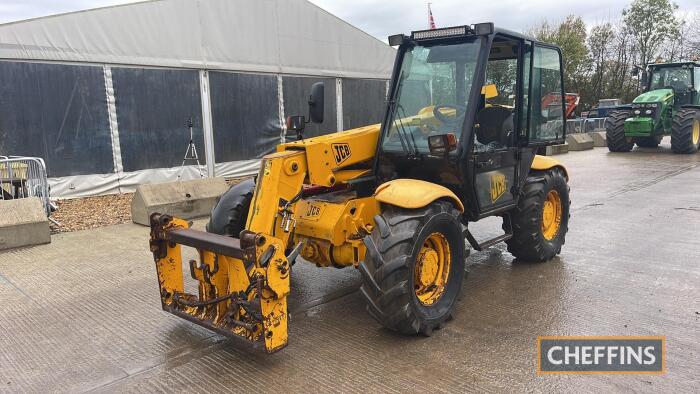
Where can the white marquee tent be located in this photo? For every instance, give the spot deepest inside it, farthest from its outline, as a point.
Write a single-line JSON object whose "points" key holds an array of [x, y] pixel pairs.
{"points": [[103, 95]]}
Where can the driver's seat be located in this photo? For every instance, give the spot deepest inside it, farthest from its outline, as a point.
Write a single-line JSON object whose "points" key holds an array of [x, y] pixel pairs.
{"points": [[495, 124]]}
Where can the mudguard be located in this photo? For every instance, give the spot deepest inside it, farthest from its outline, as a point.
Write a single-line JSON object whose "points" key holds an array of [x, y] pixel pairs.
{"points": [[414, 193], [543, 163]]}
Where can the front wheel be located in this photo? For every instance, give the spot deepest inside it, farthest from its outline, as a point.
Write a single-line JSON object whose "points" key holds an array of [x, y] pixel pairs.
{"points": [[685, 131], [414, 267], [229, 214], [615, 132], [541, 218]]}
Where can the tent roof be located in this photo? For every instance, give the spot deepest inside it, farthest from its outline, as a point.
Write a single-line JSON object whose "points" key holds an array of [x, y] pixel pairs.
{"points": [[279, 36]]}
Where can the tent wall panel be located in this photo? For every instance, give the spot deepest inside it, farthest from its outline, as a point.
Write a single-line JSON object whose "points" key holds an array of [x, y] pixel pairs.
{"points": [[245, 112], [296, 96], [364, 102], [153, 106], [57, 112]]}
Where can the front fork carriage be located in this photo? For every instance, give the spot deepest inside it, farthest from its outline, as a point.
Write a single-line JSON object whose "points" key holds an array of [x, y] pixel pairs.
{"points": [[243, 283]]}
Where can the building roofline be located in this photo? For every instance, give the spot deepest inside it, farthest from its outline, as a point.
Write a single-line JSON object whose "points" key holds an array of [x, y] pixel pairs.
{"points": [[153, 1], [77, 12]]}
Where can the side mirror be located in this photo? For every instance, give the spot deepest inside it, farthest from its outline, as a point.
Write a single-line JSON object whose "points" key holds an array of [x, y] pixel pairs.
{"points": [[316, 103], [645, 79], [634, 72]]}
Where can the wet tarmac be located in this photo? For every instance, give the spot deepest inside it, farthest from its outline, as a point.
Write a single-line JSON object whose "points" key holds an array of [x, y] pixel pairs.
{"points": [[82, 314]]}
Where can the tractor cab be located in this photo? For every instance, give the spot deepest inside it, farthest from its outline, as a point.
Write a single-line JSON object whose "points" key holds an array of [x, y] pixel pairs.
{"points": [[683, 79], [468, 107]]}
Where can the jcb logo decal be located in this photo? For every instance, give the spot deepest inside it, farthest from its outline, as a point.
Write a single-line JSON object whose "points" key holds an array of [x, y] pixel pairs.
{"points": [[498, 186], [341, 152], [312, 211]]}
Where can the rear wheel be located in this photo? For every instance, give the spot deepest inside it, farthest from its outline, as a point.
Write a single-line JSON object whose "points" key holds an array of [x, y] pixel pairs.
{"points": [[541, 218], [615, 132], [414, 267], [685, 131], [647, 142]]}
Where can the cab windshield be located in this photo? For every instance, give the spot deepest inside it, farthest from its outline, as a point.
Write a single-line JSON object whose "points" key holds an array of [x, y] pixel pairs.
{"points": [[678, 78], [432, 95]]}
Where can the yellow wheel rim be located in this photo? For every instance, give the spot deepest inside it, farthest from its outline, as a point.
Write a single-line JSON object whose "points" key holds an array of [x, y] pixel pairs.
{"points": [[696, 132], [551, 215], [432, 269]]}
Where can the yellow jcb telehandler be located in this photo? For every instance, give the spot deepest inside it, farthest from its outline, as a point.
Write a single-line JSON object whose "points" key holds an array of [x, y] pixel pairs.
{"points": [[457, 144]]}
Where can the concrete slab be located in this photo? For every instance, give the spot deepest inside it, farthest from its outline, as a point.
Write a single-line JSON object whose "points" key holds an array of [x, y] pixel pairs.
{"points": [[552, 150], [23, 222], [579, 141], [83, 313], [599, 139], [185, 199]]}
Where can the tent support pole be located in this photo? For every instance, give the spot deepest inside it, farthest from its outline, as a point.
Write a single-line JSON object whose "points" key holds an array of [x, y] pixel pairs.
{"points": [[339, 103], [207, 125]]}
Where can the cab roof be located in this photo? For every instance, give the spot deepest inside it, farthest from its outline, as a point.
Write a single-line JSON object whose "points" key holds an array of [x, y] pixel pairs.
{"points": [[461, 31], [675, 64], [515, 34]]}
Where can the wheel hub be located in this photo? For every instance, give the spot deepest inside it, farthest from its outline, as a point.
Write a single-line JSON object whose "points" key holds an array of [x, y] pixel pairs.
{"points": [[428, 266], [551, 215], [432, 269], [696, 131]]}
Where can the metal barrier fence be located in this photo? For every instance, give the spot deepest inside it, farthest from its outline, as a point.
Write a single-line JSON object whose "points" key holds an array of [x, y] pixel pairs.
{"points": [[584, 125], [22, 177]]}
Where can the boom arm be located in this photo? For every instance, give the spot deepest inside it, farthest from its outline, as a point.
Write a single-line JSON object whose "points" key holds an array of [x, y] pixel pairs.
{"points": [[244, 283]]}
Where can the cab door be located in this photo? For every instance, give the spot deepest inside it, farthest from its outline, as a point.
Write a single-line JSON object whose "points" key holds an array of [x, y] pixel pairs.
{"points": [[546, 115], [497, 128]]}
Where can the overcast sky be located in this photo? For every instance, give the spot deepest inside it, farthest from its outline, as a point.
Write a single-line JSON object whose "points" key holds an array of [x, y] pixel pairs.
{"points": [[384, 17]]}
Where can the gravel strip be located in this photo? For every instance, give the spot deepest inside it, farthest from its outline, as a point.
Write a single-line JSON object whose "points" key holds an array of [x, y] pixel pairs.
{"points": [[90, 212]]}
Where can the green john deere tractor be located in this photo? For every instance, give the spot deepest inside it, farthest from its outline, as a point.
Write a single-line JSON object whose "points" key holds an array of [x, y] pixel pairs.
{"points": [[670, 105]]}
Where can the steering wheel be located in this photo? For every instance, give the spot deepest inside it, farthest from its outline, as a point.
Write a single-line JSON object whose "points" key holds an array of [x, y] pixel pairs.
{"points": [[459, 109]]}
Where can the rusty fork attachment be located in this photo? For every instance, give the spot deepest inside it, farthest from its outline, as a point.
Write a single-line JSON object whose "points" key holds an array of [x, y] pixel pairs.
{"points": [[242, 283]]}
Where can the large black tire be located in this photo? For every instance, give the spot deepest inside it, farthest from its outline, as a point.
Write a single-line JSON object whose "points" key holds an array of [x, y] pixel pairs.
{"points": [[529, 243], [615, 132], [229, 215], [683, 139], [389, 267], [648, 142]]}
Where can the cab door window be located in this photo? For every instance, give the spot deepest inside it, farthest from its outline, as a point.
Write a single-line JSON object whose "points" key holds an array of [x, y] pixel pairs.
{"points": [[547, 110], [495, 121]]}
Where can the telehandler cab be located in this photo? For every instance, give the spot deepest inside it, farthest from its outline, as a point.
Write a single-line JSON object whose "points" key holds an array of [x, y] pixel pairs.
{"points": [[393, 200]]}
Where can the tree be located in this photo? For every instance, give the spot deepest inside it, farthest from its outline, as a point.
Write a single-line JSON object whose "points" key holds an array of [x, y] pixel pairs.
{"points": [[599, 44], [651, 23], [570, 36], [623, 52], [686, 46]]}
